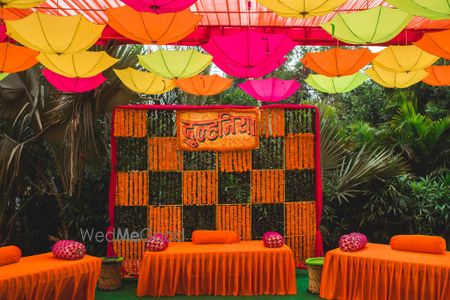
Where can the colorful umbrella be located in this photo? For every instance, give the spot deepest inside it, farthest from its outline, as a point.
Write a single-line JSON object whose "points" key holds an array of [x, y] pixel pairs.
{"points": [[301, 9], [431, 9], [175, 64], [3, 76], [144, 82], [159, 6], [436, 43], [149, 28], [375, 25], [404, 59], [249, 50], [338, 61], [204, 85], [73, 85], [79, 65], [16, 58], [54, 34], [22, 4], [270, 89], [395, 79], [438, 76], [334, 85]]}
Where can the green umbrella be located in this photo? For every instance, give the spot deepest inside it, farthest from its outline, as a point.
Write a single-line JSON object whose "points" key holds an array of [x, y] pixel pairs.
{"points": [[334, 85], [372, 26], [431, 9]]}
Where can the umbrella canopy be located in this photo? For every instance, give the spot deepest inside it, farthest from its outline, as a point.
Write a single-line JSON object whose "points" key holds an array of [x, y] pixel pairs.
{"points": [[3, 76], [301, 9], [334, 85], [338, 61], [375, 25], [149, 28], [431, 9], [249, 71], [204, 85], [175, 64], [395, 79], [249, 49], [23, 4], [436, 43], [144, 82], [159, 6], [54, 34], [79, 65], [73, 85], [404, 59], [16, 58], [438, 76], [270, 89]]}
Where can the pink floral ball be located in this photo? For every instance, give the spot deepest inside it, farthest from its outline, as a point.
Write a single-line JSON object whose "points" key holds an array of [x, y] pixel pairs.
{"points": [[67, 249], [352, 242], [157, 242], [273, 239]]}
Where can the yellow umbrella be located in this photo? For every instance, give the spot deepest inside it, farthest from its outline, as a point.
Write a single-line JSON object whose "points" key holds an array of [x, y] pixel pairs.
{"points": [[54, 34], [22, 4], [80, 65], [431, 9], [175, 64], [404, 59], [301, 9], [371, 26], [338, 84], [395, 79], [144, 82]]}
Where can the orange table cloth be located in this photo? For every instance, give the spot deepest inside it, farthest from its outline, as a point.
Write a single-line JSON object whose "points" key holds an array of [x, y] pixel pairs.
{"points": [[42, 277], [246, 268], [378, 273]]}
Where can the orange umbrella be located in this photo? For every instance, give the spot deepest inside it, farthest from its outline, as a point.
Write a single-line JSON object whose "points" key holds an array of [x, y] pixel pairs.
{"points": [[203, 85], [338, 61], [436, 43], [438, 76], [16, 58], [149, 28]]}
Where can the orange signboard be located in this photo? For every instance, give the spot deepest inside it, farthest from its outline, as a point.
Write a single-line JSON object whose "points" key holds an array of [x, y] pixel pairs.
{"points": [[218, 129]]}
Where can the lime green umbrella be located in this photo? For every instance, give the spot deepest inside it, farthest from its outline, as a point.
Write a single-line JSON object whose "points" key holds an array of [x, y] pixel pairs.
{"points": [[431, 9], [3, 76], [395, 79], [175, 64], [372, 26], [334, 85]]}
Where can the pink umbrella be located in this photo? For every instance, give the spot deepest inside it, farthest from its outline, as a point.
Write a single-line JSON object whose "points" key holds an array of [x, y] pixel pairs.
{"points": [[249, 50], [270, 89], [3, 34], [159, 6], [73, 85]]}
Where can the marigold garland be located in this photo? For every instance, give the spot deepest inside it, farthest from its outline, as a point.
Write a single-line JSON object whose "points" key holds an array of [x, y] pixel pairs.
{"points": [[163, 154], [272, 123], [165, 219], [130, 123], [199, 187], [132, 251], [132, 188], [236, 161], [236, 218], [267, 186], [300, 151]]}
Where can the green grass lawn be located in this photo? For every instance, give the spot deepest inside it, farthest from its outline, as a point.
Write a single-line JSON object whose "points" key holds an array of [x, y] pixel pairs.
{"points": [[128, 291]]}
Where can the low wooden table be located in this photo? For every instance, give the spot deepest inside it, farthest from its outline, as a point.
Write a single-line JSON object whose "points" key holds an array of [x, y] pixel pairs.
{"points": [[246, 268], [380, 273], [42, 277]]}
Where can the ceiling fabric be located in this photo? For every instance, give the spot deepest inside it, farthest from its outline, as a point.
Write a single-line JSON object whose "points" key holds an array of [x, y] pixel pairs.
{"points": [[230, 16]]}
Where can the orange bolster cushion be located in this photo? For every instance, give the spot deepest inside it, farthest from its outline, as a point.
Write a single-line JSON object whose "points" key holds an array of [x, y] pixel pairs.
{"points": [[419, 243], [9, 255], [215, 237]]}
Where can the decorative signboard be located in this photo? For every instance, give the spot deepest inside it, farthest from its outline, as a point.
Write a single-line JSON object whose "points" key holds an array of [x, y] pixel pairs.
{"points": [[176, 169]]}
